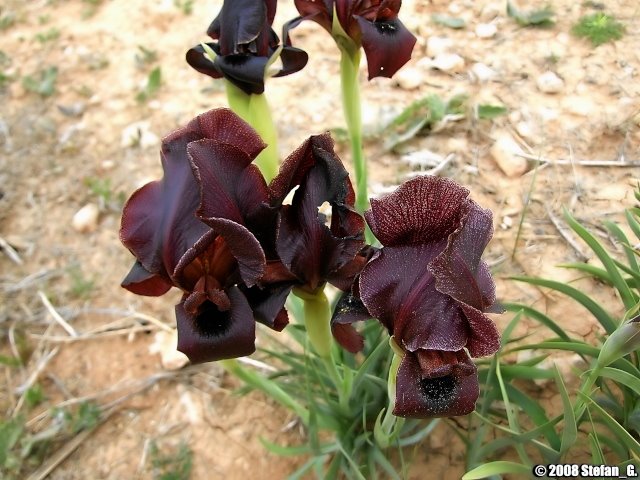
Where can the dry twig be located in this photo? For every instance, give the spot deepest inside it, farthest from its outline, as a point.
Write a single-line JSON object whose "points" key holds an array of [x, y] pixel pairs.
{"points": [[55, 315], [565, 232]]}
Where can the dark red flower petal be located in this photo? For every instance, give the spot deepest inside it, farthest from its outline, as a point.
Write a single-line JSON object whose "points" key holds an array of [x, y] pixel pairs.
{"points": [[397, 288], [293, 60], [196, 58], [387, 44], [348, 310], [211, 334], [142, 282], [459, 270], [312, 251], [320, 12], [422, 210], [440, 385], [268, 304]]}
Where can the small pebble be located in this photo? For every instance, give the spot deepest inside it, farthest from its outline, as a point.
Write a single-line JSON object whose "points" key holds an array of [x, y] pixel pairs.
{"points": [[409, 78], [438, 45], [86, 219], [549, 82], [486, 30], [448, 62], [504, 152], [481, 73]]}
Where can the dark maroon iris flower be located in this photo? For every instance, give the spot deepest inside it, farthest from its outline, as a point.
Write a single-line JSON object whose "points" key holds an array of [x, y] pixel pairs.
{"points": [[430, 288], [372, 24], [213, 228], [245, 46], [193, 230]]}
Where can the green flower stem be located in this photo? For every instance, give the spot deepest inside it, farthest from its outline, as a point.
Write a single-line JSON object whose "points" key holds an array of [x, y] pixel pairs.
{"points": [[349, 67], [254, 109], [317, 319], [267, 386]]}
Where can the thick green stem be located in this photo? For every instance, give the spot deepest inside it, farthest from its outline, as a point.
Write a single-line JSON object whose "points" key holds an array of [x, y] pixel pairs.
{"points": [[267, 386], [349, 67], [254, 109], [317, 319]]}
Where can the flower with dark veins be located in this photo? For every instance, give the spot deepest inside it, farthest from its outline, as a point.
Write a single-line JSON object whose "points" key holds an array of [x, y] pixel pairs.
{"points": [[246, 46], [193, 230], [429, 287], [372, 24], [312, 248]]}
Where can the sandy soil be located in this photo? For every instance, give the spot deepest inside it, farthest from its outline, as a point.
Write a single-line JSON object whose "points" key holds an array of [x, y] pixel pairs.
{"points": [[71, 149]]}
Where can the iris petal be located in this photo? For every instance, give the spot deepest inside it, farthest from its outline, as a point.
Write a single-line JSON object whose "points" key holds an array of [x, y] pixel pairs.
{"points": [[441, 391], [387, 44], [212, 334], [142, 282], [420, 211], [397, 288]]}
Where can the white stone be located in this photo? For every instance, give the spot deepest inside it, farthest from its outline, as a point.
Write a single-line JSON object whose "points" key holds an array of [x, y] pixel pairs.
{"points": [[525, 130], [438, 45], [448, 62], [579, 105], [165, 344], [481, 73], [549, 82], [85, 220], [504, 151], [139, 134], [486, 30], [409, 78]]}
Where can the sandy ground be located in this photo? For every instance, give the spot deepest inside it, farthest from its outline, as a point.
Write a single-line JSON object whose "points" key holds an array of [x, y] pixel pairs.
{"points": [[73, 148]]}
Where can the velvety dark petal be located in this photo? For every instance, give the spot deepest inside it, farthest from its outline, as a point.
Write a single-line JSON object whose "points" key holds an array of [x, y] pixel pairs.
{"points": [[387, 44], [197, 60], [212, 334], [268, 304], [484, 338], [397, 288], [421, 394], [320, 12], [306, 246], [293, 60], [422, 210], [348, 310], [219, 169], [158, 221], [142, 282], [458, 269], [231, 187], [239, 24], [244, 71]]}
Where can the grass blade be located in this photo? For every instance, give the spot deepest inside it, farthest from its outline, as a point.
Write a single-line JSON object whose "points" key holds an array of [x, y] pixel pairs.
{"points": [[497, 468], [594, 307], [628, 298]]}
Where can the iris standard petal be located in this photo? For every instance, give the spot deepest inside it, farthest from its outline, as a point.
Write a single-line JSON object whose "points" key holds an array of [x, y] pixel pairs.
{"points": [[440, 390], [307, 247], [458, 269], [211, 334], [397, 288], [420, 211]]}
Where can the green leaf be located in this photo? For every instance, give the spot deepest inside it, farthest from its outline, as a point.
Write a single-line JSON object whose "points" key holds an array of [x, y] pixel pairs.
{"points": [[618, 430], [535, 411], [488, 112], [497, 468], [539, 316], [594, 307], [451, 22], [623, 378], [535, 18], [628, 298], [633, 223], [570, 427], [620, 236], [622, 342], [10, 432]]}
